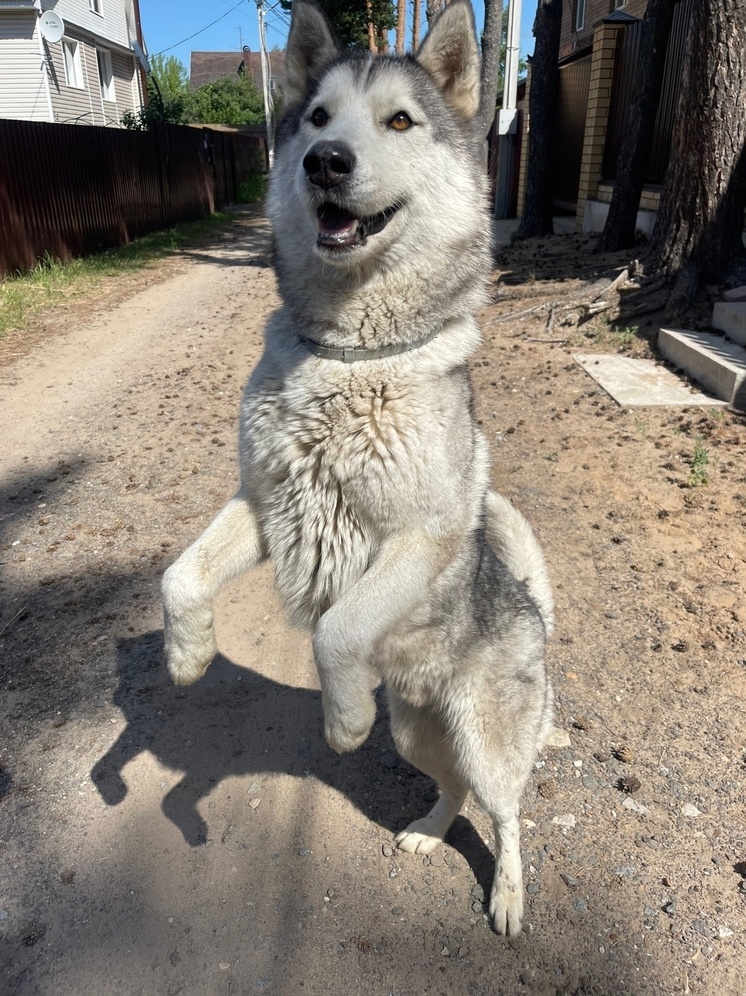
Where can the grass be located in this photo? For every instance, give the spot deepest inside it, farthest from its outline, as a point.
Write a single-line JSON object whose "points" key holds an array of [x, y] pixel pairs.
{"points": [[698, 473], [51, 281], [627, 336], [253, 189]]}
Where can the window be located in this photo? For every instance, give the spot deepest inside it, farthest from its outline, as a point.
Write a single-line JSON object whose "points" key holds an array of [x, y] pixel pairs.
{"points": [[95, 6], [73, 67], [619, 3], [579, 15], [105, 75]]}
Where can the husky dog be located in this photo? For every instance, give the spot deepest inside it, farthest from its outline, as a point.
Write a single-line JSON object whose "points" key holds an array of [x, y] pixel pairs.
{"points": [[363, 474]]}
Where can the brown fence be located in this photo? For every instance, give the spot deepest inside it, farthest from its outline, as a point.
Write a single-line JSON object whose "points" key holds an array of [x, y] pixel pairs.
{"points": [[627, 57], [572, 104], [68, 191]]}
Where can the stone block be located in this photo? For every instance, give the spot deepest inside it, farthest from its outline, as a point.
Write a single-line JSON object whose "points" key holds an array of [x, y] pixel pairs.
{"points": [[718, 365], [730, 317]]}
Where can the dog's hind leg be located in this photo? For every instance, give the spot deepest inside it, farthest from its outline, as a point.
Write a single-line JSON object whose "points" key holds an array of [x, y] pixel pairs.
{"points": [[421, 738], [228, 547]]}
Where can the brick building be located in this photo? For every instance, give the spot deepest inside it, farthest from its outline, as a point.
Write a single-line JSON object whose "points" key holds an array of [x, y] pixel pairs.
{"points": [[599, 52]]}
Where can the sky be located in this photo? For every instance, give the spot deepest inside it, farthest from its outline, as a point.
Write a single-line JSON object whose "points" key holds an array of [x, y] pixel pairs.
{"points": [[167, 25]]}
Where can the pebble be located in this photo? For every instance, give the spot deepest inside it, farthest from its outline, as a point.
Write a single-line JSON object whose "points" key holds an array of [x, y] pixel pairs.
{"points": [[724, 932], [477, 892], [690, 810], [701, 927], [557, 738], [588, 781], [303, 851], [397, 910], [635, 807], [254, 803], [463, 951], [564, 820], [533, 889], [670, 907], [254, 787], [569, 881], [580, 905], [393, 873], [476, 906], [390, 760], [387, 850], [445, 952], [3, 914]]}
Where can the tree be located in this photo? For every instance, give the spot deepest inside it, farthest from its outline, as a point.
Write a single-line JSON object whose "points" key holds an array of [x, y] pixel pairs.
{"points": [[401, 26], [229, 101], [619, 230], [416, 18], [491, 41], [171, 75], [698, 230], [349, 20], [542, 109]]}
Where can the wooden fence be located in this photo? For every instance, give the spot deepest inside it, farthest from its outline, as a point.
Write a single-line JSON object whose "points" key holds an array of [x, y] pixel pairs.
{"points": [[68, 190]]}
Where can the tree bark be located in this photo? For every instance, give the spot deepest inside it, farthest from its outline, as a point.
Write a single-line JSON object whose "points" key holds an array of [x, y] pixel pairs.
{"points": [[491, 41], [401, 26], [371, 27], [416, 18], [433, 8], [619, 230], [698, 230], [542, 108]]}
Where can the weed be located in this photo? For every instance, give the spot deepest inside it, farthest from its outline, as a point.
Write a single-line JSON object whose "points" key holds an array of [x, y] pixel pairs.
{"points": [[51, 281], [553, 456], [700, 461], [627, 336], [252, 189]]}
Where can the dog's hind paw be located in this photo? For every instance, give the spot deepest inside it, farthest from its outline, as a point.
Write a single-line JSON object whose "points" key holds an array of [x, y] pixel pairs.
{"points": [[506, 908], [415, 841]]}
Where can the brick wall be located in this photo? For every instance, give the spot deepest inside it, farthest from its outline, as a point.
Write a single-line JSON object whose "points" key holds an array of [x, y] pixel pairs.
{"points": [[572, 41]]}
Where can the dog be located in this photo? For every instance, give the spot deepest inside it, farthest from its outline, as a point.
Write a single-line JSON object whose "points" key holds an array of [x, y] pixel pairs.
{"points": [[364, 476]]}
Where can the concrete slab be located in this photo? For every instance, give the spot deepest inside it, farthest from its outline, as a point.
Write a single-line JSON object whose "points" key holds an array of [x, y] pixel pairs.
{"points": [[717, 364], [730, 317], [640, 383], [735, 294]]}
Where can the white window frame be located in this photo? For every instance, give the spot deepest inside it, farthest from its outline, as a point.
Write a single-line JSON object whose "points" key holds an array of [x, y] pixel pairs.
{"points": [[106, 78], [95, 7], [618, 4], [73, 63], [580, 15]]}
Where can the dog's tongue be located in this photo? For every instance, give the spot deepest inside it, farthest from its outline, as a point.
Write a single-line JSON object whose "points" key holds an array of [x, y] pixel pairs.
{"points": [[336, 226]]}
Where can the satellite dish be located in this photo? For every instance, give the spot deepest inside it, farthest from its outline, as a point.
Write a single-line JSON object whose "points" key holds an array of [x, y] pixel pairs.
{"points": [[52, 26]]}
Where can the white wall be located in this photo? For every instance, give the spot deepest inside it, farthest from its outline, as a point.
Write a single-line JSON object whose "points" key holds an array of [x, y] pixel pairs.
{"points": [[23, 94]]}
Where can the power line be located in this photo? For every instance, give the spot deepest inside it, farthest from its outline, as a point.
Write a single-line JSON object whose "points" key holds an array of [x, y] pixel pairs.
{"points": [[176, 44]]}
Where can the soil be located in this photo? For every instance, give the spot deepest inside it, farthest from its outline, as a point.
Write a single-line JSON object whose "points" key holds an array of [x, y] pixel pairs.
{"points": [[205, 840]]}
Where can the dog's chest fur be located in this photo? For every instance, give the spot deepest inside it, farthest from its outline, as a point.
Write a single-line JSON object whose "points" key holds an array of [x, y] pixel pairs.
{"points": [[334, 465]]}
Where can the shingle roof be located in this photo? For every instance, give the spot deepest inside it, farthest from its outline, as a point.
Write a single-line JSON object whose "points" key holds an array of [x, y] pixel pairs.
{"points": [[206, 67]]}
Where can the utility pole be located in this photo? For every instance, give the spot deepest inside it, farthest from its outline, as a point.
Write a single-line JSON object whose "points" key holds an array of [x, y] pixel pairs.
{"points": [[269, 111], [507, 117]]}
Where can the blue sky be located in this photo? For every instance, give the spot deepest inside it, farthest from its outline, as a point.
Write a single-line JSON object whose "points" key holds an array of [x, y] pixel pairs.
{"points": [[167, 22]]}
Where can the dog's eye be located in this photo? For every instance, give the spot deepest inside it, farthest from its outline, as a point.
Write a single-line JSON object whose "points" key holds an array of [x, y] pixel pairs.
{"points": [[319, 117], [401, 121]]}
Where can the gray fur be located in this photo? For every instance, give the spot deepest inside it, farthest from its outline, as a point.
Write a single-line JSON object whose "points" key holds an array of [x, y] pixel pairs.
{"points": [[367, 484]]}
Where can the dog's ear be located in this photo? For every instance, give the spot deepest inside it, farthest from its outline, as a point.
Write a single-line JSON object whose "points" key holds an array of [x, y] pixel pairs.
{"points": [[311, 47], [451, 56]]}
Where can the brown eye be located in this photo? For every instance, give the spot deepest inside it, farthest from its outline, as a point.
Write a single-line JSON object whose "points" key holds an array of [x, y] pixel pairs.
{"points": [[319, 117], [401, 121]]}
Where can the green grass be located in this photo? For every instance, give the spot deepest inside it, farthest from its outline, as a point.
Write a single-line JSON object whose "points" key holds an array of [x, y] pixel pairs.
{"points": [[52, 281], [252, 189], [627, 336], [698, 474]]}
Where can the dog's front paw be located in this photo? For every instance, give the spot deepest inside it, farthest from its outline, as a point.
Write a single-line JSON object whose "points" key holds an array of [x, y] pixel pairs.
{"points": [[346, 730], [506, 906], [190, 645]]}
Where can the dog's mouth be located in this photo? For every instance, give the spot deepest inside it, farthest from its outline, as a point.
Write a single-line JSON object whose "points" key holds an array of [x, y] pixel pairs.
{"points": [[339, 229]]}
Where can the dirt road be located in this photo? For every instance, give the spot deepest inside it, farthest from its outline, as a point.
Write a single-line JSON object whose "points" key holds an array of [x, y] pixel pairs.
{"points": [[205, 840]]}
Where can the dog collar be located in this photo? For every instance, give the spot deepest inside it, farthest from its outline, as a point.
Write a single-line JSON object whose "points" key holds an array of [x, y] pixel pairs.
{"points": [[351, 354]]}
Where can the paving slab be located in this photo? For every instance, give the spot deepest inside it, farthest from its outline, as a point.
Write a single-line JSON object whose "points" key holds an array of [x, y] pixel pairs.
{"points": [[714, 362], [730, 317], [635, 383]]}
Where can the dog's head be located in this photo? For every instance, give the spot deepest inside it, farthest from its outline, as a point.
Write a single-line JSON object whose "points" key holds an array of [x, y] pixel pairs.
{"points": [[378, 158]]}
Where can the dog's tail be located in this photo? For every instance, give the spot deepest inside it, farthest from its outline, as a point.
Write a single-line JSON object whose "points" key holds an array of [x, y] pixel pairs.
{"points": [[513, 541]]}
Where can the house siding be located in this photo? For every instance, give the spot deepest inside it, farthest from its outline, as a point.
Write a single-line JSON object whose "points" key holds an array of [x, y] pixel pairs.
{"points": [[125, 83], [115, 23], [23, 93], [70, 105]]}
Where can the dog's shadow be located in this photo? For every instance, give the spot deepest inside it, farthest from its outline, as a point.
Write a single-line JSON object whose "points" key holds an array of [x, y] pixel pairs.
{"points": [[237, 722]]}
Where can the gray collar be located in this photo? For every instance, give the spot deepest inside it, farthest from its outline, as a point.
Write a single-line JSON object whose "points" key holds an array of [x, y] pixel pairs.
{"points": [[351, 354]]}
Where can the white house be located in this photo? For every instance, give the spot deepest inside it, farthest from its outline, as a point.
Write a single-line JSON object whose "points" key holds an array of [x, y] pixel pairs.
{"points": [[90, 76]]}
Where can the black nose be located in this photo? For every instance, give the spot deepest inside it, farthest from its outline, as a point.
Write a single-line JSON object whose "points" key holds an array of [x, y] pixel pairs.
{"points": [[328, 164]]}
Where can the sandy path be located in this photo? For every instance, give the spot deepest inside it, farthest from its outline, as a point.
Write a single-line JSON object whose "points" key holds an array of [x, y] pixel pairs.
{"points": [[205, 840]]}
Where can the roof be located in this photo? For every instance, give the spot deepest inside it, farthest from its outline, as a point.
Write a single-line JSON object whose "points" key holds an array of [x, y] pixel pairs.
{"points": [[206, 67]]}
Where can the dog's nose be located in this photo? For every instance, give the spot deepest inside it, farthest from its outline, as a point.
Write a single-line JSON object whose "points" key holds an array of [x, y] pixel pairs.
{"points": [[328, 164]]}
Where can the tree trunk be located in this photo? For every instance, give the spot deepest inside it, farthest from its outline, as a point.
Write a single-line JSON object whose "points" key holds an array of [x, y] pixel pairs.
{"points": [[416, 18], [698, 231], [491, 42], [433, 8], [371, 27], [542, 109], [401, 26], [619, 230]]}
